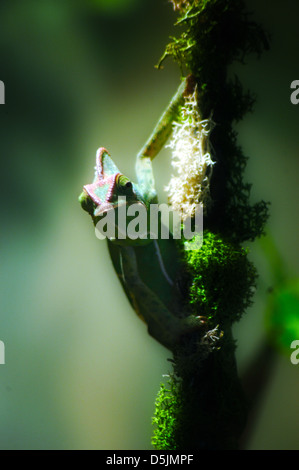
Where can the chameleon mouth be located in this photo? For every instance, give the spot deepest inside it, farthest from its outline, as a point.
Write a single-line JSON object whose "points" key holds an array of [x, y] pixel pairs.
{"points": [[103, 208]]}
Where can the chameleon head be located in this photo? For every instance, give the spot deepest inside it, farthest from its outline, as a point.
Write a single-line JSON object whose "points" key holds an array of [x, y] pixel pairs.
{"points": [[111, 191]]}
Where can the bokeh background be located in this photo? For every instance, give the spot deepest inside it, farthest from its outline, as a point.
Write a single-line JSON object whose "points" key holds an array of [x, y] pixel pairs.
{"points": [[81, 371]]}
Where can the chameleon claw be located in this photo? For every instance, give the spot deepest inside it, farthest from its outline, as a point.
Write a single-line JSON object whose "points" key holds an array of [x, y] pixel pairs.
{"points": [[202, 320]]}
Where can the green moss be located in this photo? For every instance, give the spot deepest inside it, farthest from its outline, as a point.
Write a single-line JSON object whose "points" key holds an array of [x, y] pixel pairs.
{"points": [[166, 418], [202, 406], [214, 34], [221, 280]]}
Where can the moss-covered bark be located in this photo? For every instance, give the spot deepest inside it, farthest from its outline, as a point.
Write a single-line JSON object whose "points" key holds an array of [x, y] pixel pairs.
{"points": [[203, 406]]}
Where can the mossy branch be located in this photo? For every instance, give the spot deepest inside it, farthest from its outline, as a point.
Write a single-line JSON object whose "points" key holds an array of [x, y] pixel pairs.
{"points": [[203, 406]]}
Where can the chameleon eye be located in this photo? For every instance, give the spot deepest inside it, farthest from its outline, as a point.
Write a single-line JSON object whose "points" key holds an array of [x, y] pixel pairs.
{"points": [[124, 182]]}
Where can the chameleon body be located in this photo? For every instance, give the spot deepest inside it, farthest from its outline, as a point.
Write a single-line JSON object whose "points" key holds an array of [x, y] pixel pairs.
{"points": [[148, 269]]}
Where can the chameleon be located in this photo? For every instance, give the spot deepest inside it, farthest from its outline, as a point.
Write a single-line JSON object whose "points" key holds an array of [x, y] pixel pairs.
{"points": [[148, 268]]}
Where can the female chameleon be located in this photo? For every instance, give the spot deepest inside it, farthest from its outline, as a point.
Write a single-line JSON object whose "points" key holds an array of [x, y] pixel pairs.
{"points": [[148, 269]]}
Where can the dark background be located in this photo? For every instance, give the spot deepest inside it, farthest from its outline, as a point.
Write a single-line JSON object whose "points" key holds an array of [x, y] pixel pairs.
{"points": [[81, 371]]}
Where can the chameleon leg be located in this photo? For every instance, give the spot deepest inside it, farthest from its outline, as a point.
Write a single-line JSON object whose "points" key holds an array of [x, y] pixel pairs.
{"points": [[164, 126], [157, 140], [162, 324]]}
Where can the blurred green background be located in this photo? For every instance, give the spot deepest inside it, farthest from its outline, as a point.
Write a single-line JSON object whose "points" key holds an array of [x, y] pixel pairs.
{"points": [[81, 371]]}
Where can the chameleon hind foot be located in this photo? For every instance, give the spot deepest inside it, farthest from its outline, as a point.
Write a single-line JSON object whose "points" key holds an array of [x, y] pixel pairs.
{"points": [[193, 324]]}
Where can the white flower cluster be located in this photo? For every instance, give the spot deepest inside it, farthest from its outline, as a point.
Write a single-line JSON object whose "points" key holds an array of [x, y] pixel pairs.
{"points": [[191, 158]]}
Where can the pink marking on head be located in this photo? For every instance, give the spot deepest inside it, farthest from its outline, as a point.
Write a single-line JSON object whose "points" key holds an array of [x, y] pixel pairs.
{"points": [[89, 188], [99, 161], [112, 179]]}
